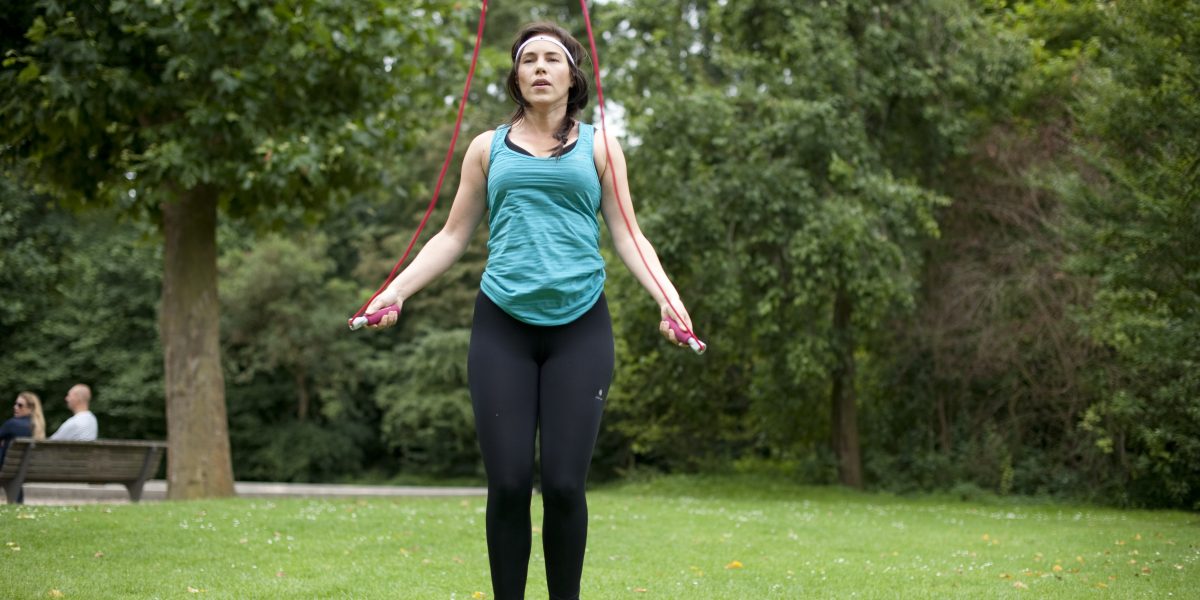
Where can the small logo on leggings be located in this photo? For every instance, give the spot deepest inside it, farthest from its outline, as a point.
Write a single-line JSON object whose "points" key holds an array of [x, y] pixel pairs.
{"points": [[600, 395]]}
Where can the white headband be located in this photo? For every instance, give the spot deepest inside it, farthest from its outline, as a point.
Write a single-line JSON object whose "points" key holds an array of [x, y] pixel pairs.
{"points": [[543, 38]]}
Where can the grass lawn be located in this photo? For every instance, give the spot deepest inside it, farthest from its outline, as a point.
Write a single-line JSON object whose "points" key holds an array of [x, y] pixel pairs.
{"points": [[676, 537]]}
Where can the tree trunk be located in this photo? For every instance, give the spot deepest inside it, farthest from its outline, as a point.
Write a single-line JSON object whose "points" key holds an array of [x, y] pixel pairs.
{"points": [[198, 457], [845, 412]]}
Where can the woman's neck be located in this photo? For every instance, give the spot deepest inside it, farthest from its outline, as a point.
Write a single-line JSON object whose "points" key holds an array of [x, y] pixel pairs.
{"points": [[542, 123]]}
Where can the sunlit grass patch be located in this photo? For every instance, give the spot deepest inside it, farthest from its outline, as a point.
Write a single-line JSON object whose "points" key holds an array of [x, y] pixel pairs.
{"points": [[671, 538]]}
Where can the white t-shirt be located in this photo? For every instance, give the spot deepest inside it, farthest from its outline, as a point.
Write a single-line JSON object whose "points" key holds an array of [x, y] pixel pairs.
{"points": [[80, 428]]}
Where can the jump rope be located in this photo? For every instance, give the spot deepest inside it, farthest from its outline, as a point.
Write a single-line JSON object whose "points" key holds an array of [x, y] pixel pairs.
{"points": [[679, 330]]}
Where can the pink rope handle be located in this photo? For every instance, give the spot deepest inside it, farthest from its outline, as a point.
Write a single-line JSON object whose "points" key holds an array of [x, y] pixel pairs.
{"points": [[677, 324], [437, 190]]}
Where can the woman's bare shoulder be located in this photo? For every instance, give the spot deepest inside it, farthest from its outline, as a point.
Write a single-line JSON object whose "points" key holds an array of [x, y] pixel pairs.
{"points": [[483, 140], [480, 147], [603, 144]]}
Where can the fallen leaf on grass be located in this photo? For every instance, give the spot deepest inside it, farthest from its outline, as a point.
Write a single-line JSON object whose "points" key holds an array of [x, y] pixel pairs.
{"points": [[1020, 586], [639, 590], [98, 555], [1101, 586], [1005, 576], [1146, 570], [737, 564], [280, 574], [192, 590], [1057, 568], [54, 594], [478, 595]]}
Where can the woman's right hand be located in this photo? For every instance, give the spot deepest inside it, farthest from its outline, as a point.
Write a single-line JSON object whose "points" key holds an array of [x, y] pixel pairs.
{"points": [[382, 301], [667, 310]]}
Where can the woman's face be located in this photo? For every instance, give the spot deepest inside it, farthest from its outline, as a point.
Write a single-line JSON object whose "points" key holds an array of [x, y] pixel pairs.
{"points": [[21, 408], [543, 73]]}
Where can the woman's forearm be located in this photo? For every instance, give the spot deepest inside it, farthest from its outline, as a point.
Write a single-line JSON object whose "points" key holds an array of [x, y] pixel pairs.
{"points": [[438, 255], [628, 252]]}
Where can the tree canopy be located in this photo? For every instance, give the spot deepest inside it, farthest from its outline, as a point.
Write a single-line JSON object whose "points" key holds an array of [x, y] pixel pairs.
{"points": [[932, 245]]}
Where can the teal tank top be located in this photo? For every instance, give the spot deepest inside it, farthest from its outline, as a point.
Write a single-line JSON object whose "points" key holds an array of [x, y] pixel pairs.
{"points": [[544, 265]]}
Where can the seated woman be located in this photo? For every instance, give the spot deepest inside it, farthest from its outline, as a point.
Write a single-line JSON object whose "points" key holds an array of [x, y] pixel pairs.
{"points": [[27, 421]]}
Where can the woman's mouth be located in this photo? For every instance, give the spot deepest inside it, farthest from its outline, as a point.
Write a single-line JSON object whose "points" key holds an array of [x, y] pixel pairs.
{"points": [[541, 83]]}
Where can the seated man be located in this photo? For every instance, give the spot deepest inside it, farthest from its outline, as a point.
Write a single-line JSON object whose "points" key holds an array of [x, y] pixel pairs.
{"points": [[81, 427]]}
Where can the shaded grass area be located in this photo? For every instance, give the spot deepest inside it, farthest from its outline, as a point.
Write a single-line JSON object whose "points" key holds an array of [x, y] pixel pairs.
{"points": [[675, 537]]}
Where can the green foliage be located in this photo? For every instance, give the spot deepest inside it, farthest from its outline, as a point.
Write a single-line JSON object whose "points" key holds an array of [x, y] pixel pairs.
{"points": [[277, 105], [292, 368], [79, 307], [779, 158], [1036, 335], [426, 415], [270, 446], [282, 312], [1053, 350], [1137, 238]]}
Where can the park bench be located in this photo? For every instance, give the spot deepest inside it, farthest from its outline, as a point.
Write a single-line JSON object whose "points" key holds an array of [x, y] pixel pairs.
{"points": [[128, 462]]}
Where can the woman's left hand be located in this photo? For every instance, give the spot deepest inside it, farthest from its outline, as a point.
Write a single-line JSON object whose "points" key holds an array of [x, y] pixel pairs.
{"points": [[682, 317]]}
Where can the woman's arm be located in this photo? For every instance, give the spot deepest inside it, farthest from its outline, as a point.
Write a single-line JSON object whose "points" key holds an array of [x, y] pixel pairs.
{"points": [[628, 239], [448, 245]]}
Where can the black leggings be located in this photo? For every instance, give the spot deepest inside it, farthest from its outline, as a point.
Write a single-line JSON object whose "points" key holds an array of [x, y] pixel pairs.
{"points": [[528, 380]]}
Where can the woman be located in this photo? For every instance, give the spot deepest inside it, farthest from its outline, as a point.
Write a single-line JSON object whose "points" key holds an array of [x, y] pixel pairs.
{"points": [[541, 351], [27, 421]]}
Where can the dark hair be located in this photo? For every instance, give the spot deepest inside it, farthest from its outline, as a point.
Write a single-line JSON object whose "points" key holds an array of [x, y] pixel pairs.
{"points": [[577, 97]]}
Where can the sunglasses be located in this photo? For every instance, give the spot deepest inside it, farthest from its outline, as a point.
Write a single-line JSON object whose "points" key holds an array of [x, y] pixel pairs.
{"points": [[19, 405]]}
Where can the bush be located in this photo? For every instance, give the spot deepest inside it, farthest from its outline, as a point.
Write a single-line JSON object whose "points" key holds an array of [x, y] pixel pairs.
{"points": [[427, 420]]}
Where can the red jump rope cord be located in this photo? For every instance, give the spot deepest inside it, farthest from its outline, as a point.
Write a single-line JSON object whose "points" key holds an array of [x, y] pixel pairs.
{"points": [[612, 169], [437, 190]]}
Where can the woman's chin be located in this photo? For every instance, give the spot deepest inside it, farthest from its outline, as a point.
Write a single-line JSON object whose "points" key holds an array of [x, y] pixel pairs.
{"points": [[545, 102]]}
